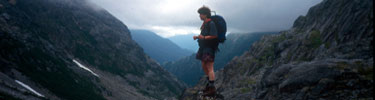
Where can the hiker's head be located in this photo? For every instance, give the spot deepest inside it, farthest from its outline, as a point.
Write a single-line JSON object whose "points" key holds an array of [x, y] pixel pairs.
{"points": [[204, 12]]}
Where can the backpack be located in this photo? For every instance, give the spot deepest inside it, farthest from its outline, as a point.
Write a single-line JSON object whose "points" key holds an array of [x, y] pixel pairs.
{"points": [[221, 27]]}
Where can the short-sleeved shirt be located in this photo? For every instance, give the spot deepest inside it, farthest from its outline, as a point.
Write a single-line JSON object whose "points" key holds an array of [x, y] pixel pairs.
{"points": [[208, 30], [208, 47]]}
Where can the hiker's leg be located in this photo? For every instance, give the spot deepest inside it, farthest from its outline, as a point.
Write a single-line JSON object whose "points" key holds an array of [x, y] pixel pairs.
{"points": [[204, 64], [210, 69], [211, 90]]}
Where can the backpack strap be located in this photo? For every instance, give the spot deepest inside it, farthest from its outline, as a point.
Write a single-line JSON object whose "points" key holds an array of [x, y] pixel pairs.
{"points": [[208, 26]]}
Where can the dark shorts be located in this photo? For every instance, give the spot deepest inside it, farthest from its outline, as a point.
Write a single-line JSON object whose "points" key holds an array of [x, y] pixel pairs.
{"points": [[206, 54]]}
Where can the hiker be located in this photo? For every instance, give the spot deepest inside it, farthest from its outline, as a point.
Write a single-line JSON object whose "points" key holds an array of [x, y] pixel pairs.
{"points": [[208, 46]]}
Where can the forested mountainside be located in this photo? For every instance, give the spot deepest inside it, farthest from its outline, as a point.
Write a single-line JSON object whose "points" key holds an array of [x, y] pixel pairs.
{"points": [[161, 49]]}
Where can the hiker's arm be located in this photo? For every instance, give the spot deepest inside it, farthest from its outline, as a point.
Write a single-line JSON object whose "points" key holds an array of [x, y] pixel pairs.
{"points": [[208, 37], [212, 33]]}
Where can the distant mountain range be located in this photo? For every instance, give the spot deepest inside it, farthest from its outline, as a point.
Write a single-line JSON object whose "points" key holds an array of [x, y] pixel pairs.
{"points": [[185, 41], [189, 69], [158, 48]]}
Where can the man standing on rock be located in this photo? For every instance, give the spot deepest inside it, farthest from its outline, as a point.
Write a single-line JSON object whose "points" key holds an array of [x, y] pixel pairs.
{"points": [[208, 46]]}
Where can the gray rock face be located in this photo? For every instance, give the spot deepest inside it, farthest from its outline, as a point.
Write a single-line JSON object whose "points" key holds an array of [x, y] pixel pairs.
{"points": [[39, 40], [328, 54]]}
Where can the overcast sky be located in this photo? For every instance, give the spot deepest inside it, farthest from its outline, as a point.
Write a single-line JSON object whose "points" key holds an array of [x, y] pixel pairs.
{"points": [[172, 17]]}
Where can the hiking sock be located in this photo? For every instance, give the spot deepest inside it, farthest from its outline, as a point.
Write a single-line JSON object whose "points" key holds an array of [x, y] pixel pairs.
{"points": [[207, 83], [208, 79], [211, 83]]}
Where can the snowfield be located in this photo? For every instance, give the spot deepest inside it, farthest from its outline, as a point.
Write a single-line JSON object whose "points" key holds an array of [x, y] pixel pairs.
{"points": [[83, 67]]}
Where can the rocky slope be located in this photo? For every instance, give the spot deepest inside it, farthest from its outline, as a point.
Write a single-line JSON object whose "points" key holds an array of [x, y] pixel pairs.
{"points": [[68, 49], [158, 48], [189, 69], [327, 54]]}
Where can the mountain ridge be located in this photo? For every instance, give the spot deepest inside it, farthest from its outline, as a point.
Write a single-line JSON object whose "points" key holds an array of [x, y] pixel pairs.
{"points": [[185, 41], [159, 48], [66, 49]]}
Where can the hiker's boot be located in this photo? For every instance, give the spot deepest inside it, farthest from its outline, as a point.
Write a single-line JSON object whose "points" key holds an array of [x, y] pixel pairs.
{"points": [[211, 91], [205, 88], [207, 84]]}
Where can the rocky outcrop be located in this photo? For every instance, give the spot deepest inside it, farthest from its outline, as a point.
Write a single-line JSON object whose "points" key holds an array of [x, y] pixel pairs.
{"points": [[68, 49], [328, 54]]}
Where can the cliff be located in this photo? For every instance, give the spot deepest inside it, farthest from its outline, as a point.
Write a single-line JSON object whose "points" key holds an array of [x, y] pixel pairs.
{"points": [[70, 49]]}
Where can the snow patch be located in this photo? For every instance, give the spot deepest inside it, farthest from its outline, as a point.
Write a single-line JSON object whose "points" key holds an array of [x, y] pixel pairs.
{"points": [[29, 88], [83, 67]]}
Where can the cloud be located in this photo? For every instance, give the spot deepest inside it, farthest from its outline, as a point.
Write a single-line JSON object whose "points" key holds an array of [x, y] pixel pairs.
{"points": [[169, 31], [173, 17]]}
